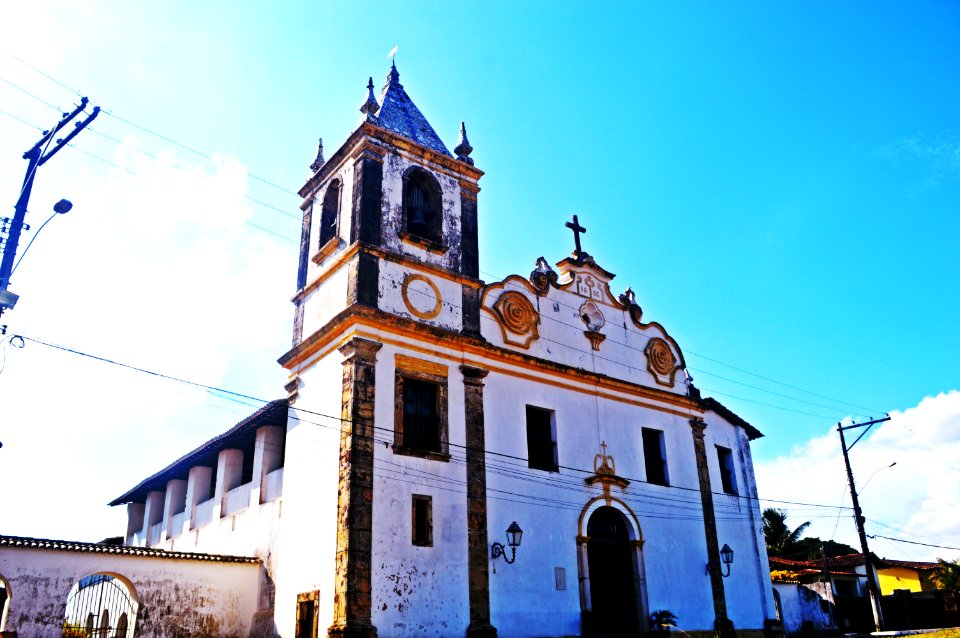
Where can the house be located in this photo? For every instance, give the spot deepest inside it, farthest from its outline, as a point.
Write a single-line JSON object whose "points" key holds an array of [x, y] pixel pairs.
{"points": [[899, 575], [525, 457], [831, 593]]}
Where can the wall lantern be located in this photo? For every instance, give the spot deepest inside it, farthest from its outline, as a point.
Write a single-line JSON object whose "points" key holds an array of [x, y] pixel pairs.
{"points": [[514, 534], [726, 555]]}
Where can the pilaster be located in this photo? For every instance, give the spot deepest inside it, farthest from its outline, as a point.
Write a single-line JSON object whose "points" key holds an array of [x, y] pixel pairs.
{"points": [[477, 560], [351, 595], [721, 623]]}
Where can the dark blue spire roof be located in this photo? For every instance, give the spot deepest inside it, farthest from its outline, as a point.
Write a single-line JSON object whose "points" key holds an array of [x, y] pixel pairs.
{"points": [[399, 114]]}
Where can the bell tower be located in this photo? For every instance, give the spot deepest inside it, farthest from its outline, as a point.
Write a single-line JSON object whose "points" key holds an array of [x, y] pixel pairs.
{"points": [[388, 270], [390, 223]]}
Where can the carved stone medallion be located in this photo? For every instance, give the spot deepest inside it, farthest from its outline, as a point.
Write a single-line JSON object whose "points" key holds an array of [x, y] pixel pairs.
{"points": [[661, 361], [518, 318], [421, 297]]}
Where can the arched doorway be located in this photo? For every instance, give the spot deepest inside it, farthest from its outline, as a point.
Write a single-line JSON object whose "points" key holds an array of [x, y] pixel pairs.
{"points": [[100, 606], [611, 560], [4, 602]]}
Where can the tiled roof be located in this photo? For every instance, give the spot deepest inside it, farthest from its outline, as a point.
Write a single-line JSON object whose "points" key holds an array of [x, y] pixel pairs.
{"points": [[399, 114], [22, 542], [848, 561], [909, 564], [273, 413]]}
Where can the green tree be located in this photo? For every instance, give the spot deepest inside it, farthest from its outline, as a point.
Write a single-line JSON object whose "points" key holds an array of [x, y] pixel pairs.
{"points": [[781, 540], [947, 575]]}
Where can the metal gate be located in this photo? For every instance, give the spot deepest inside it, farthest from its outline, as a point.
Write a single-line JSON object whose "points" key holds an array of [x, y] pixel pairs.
{"points": [[99, 607]]}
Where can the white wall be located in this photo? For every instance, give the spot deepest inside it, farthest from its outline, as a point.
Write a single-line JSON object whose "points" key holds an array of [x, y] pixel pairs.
{"points": [[174, 596]]}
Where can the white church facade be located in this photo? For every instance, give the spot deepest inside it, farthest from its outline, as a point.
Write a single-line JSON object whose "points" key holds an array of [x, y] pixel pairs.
{"points": [[526, 457]]}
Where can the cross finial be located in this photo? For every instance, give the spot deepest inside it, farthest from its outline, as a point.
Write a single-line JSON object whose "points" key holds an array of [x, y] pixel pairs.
{"points": [[577, 229]]}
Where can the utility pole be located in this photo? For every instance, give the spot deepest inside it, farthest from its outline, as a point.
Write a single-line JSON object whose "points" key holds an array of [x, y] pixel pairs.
{"points": [[36, 157], [858, 517]]}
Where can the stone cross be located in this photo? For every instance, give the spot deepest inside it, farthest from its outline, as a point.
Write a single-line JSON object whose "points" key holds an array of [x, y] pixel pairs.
{"points": [[577, 229]]}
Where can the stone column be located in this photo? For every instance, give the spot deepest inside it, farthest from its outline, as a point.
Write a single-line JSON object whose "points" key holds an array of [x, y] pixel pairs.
{"points": [[351, 595], [477, 546], [721, 623]]}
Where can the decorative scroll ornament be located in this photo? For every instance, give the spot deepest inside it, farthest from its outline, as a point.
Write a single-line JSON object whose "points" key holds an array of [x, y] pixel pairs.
{"points": [[518, 318], [542, 277], [629, 300], [605, 471], [661, 361]]}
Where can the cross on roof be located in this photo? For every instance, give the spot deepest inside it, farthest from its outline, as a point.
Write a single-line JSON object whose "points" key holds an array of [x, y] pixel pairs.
{"points": [[577, 229]]}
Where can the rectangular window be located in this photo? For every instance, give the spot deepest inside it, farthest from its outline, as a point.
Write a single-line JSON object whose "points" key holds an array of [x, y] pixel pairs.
{"points": [[727, 475], [421, 416], [420, 422], [422, 519], [655, 457], [541, 439]]}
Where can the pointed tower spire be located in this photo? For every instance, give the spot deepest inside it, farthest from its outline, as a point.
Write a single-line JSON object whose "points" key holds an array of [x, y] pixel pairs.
{"points": [[393, 77], [319, 162], [463, 148], [371, 106]]}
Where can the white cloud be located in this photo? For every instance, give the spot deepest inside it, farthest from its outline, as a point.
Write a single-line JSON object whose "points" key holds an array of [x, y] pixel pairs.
{"points": [[917, 500], [162, 273]]}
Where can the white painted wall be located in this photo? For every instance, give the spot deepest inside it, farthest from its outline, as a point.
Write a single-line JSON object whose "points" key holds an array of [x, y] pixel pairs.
{"points": [[306, 546], [174, 596]]}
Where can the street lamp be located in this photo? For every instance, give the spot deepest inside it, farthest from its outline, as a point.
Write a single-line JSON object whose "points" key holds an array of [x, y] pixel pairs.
{"points": [[514, 534], [726, 556]]}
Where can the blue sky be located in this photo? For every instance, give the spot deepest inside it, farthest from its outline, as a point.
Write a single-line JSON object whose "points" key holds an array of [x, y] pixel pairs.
{"points": [[778, 183]]}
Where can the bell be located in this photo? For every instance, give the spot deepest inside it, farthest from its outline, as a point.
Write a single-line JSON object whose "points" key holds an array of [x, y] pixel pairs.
{"points": [[417, 224]]}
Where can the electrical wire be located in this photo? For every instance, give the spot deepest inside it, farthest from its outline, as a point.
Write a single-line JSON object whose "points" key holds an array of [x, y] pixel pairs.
{"points": [[339, 420]]}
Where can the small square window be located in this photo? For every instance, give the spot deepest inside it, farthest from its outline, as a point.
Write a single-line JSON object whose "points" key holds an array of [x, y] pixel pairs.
{"points": [[655, 457], [420, 426], [541, 439], [727, 475], [422, 520]]}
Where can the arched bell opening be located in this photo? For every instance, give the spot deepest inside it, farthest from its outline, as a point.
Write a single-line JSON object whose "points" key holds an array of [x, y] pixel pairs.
{"points": [[422, 205]]}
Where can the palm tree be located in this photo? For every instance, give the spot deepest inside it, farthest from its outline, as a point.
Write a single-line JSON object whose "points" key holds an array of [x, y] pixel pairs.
{"points": [[780, 538]]}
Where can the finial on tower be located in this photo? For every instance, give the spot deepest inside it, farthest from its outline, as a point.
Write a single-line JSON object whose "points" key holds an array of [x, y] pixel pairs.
{"points": [[319, 162], [370, 106], [393, 77], [463, 148]]}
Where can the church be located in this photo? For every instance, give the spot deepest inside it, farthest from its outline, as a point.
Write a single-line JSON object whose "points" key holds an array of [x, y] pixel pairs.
{"points": [[525, 457]]}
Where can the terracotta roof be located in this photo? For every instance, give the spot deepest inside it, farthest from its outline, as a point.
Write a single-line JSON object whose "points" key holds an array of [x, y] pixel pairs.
{"points": [[399, 114], [21, 542], [848, 561], [273, 413]]}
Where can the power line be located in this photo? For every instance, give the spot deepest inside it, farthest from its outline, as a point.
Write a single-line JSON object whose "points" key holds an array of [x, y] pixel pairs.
{"points": [[340, 420], [901, 540], [252, 176], [135, 125]]}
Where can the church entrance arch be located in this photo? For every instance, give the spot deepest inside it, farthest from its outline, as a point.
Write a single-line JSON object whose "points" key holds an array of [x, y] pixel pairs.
{"points": [[612, 591]]}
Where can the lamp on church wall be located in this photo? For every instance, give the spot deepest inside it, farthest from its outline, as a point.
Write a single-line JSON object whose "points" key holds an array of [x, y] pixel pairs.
{"points": [[514, 534], [726, 555]]}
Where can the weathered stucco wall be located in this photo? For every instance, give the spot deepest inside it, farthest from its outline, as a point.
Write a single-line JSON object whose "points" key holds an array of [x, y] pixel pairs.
{"points": [[174, 597]]}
